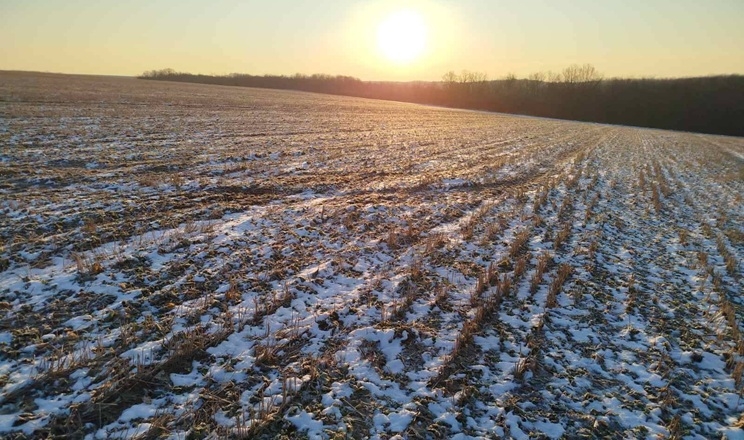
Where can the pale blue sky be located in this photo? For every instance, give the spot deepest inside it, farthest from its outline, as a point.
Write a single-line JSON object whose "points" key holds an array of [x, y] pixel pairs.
{"points": [[621, 38]]}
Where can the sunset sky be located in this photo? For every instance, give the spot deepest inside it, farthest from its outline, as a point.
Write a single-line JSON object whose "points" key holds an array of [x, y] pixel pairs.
{"points": [[660, 38]]}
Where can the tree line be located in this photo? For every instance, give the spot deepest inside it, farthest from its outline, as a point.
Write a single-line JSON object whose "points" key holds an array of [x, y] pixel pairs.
{"points": [[711, 104]]}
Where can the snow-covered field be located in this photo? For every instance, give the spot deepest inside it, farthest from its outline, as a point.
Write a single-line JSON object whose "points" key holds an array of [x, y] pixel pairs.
{"points": [[185, 261]]}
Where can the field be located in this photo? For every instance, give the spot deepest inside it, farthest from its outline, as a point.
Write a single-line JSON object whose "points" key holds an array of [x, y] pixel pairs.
{"points": [[187, 261]]}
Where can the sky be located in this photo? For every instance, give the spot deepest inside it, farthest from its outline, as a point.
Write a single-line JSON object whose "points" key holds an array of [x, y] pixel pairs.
{"points": [[621, 38]]}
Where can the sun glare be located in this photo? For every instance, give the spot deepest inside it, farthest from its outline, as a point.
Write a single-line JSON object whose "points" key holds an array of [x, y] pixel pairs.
{"points": [[401, 37]]}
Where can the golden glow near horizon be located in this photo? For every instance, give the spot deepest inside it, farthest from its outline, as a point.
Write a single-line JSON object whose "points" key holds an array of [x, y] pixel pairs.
{"points": [[401, 37], [374, 39], [393, 40]]}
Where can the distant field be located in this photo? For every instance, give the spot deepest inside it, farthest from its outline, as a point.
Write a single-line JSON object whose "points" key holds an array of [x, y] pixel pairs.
{"points": [[184, 261]]}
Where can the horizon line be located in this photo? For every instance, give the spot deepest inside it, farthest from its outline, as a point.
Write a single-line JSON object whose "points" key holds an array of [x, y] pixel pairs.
{"points": [[137, 76]]}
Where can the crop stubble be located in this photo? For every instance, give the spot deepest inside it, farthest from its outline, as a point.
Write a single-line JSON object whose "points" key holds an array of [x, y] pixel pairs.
{"points": [[182, 259]]}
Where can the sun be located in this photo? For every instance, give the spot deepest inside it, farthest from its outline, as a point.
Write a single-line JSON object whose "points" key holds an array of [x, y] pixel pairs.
{"points": [[401, 37]]}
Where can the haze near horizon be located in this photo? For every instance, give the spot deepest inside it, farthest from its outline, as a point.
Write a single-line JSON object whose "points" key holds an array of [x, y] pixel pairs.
{"points": [[374, 40]]}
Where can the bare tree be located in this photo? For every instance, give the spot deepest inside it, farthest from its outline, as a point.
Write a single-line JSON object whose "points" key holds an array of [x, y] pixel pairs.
{"points": [[585, 74], [554, 77], [538, 76], [450, 80], [450, 77]]}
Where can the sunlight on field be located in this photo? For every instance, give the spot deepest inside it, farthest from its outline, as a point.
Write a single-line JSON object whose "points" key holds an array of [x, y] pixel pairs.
{"points": [[190, 261]]}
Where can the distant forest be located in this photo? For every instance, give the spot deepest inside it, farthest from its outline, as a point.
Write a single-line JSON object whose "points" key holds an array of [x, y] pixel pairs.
{"points": [[712, 104]]}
